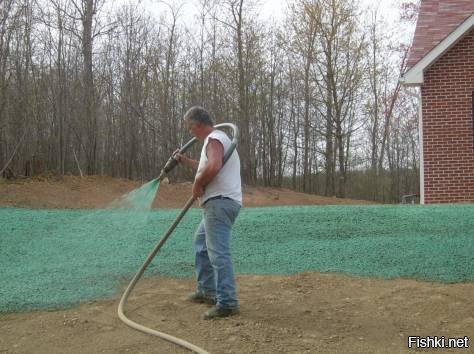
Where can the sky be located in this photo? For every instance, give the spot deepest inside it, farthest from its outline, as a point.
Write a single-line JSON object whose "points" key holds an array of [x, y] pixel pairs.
{"points": [[275, 10], [387, 7]]}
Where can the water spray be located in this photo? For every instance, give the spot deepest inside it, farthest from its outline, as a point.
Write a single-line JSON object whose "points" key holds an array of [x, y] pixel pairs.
{"points": [[170, 165]]}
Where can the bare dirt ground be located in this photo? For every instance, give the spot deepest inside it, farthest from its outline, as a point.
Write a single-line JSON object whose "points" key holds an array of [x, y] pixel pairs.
{"points": [[301, 313], [73, 192], [304, 313]]}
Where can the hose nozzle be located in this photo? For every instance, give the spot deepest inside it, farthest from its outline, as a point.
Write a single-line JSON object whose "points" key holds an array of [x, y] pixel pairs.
{"points": [[161, 176], [170, 164]]}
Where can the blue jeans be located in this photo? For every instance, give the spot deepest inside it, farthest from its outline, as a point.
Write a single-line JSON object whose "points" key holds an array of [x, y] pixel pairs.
{"points": [[213, 263]]}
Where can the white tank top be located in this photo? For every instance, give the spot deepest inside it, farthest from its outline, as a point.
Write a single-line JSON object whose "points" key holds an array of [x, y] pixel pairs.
{"points": [[227, 182]]}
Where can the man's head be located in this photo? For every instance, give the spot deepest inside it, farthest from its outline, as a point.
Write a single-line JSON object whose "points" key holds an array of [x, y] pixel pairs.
{"points": [[198, 121]]}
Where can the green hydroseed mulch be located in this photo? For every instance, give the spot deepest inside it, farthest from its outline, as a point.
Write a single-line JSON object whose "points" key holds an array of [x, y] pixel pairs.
{"points": [[56, 258]]}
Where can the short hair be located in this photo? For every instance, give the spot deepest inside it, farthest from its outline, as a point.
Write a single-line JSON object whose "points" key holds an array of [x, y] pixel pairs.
{"points": [[199, 114]]}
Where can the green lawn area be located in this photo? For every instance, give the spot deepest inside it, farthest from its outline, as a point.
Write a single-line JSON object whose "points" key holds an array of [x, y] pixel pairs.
{"points": [[57, 258]]}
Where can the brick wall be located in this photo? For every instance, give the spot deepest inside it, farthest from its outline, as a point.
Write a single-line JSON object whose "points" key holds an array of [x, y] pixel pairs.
{"points": [[448, 141]]}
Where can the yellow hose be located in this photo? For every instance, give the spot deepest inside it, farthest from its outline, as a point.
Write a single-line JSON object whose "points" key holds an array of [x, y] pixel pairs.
{"points": [[137, 277]]}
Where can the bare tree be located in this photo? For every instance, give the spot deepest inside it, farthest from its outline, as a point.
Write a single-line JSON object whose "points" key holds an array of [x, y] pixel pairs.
{"points": [[97, 89]]}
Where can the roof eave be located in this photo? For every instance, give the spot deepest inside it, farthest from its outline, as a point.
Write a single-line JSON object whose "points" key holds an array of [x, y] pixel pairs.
{"points": [[414, 76]]}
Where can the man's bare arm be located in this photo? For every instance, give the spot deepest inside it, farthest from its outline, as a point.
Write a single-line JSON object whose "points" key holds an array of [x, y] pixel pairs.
{"points": [[215, 154], [186, 161]]}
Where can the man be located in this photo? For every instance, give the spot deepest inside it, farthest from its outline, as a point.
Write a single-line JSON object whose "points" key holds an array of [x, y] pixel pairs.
{"points": [[218, 188]]}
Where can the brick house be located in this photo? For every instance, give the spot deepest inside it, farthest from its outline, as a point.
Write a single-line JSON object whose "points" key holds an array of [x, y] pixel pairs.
{"points": [[441, 64]]}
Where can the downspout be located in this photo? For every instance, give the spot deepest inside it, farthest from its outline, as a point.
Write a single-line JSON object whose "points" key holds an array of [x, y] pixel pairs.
{"points": [[420, 137]]}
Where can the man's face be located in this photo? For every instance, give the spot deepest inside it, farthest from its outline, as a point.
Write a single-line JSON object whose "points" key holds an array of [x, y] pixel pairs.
{"points": [[193, 127]]}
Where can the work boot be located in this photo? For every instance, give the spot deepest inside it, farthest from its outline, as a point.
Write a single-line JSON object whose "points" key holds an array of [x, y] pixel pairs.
{"points": [[200, 298], [216, 312]]}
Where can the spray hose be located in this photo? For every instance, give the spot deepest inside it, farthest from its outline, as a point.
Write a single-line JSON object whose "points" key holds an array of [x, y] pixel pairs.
{"points": [[172, 162]]}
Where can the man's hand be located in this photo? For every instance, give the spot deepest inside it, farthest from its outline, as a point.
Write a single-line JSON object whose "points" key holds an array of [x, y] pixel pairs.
{"points": [[198, 190], [186, 161], [182, 158]]}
